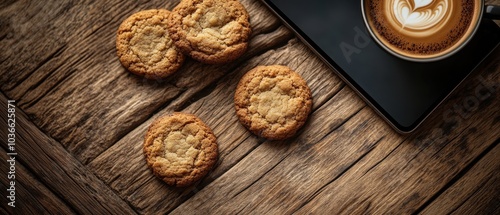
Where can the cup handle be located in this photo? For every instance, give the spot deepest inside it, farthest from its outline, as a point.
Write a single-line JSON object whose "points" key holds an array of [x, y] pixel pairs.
{"points": [[492, 12]]}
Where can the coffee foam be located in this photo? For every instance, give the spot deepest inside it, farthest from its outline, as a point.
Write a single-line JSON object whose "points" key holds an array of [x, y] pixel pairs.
{"points": [[422, 30]]}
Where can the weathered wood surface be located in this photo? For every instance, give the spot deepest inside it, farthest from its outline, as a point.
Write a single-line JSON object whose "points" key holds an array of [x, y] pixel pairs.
{"points": [[36, 197], [59, 170], [467, 195], [82, 78], [86, 117]]}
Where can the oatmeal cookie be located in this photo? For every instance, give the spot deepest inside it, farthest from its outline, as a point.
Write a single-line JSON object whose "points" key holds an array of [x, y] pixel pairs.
{"points": [[273, 101], [144, 46], [210, 31], [180, 149]]}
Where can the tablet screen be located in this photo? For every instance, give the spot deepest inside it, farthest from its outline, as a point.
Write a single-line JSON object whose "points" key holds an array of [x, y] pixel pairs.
{"points": [[404, 92]]}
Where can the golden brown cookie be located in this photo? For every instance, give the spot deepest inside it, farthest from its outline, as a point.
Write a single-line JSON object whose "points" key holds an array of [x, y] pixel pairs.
{"points": [[180, 149], [273, 101], [210, 31], [144, 45]]}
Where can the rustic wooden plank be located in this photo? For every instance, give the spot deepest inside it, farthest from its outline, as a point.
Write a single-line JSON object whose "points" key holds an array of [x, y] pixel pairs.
{"points": [[32, 197], [82, 97], [25, 26], [37, 31], [401, 177], [135, 181], [70, 65], [264, 154], [484, 201], [59, 170], [275, 179], [100, 44], [87, 85], [396, 188], [477, 192]]}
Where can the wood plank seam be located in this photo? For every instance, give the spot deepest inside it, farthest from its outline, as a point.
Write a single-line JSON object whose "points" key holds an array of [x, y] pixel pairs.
{"points": [[257, 180], [201, 92], [26, 179], [343, 88], [321, 189], [260, 141], [457, 177], [366, 199], [126, 132], [234, 66], [261, 176], [99, 188], [317, 106], [204, 182], [461, 204], [400, 144], [83, 149], [387, 155], [448, 142], [321, 139], [264, 141], [54, 54], [291, 150], [442, 146], [198, 96], [342, 123], [58, 83], [69, 8], [21, 94], [30, 171]]}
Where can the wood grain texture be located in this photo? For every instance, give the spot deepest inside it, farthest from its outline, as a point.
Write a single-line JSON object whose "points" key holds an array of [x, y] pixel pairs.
{"points": [[203, 196], [217, 110], [291, 172], [401, 175], [86, 116], [32, 197], [89, 103], [477, 192], [59, 170]]}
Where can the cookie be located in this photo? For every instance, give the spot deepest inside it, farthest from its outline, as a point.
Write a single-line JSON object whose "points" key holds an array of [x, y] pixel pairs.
{"points": [[273, 101], [180, 149], [144, 45], [210, 31]]}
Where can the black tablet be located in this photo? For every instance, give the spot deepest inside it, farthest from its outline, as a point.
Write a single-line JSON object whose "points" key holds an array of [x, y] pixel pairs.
{"points": [[404, 93]]}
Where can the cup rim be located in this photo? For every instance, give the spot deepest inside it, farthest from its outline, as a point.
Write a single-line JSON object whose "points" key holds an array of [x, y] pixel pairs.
{"points": [[423, 59]]}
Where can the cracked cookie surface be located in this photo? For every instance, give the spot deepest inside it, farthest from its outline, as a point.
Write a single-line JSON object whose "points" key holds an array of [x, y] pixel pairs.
{"points": [[210, 31], [273, 101], [180, 149], [144, 45]]}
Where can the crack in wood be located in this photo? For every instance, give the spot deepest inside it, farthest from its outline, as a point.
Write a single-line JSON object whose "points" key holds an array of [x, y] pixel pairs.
{"points": [[383, 158], [457, 177], [54, 166], [348, 168]]}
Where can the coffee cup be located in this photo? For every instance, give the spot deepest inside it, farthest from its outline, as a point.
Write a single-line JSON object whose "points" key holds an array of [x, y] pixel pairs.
{"points": [[424, 30]]}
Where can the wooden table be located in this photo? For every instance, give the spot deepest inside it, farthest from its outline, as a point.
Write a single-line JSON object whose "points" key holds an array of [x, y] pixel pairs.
{"points": [[81, 117]]}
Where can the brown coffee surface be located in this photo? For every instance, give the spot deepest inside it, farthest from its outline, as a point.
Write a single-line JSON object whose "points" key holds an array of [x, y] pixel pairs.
{"points": [[422, 29]]}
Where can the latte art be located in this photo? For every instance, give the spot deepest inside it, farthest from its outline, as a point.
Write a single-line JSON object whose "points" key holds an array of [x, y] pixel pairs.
{"points": [[420, 18], [421, 29]]}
